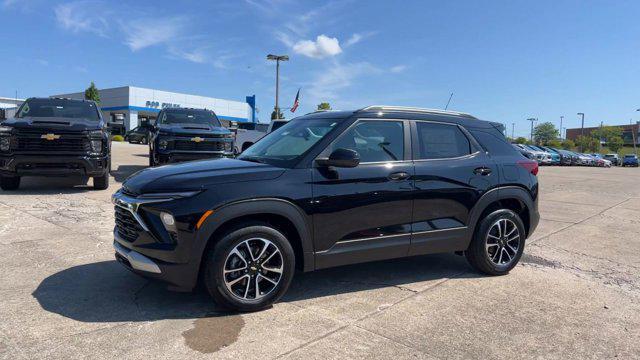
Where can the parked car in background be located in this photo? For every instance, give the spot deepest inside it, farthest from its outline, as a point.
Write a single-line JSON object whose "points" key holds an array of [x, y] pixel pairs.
{"points": [[543, 157], [630, 160], [555, 157], [55, 137], [614, 158], [565, 158], [585, 160], [525, 153], [600, 161], [182, 134], [139, 135]]}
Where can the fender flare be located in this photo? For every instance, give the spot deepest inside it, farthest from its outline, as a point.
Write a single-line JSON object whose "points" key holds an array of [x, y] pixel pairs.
{"points": [[496, 194], [241, 208]]}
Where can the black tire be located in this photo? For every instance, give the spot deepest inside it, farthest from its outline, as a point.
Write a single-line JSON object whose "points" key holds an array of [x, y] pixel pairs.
{"points": [[151, 162], [478, 255], [215, 262], [144, 141], [9, 183], [101, 182]]}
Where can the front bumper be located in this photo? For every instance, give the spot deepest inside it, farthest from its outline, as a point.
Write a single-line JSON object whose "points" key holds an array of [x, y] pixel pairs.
{"points": [[166, 157], [53, 165]]}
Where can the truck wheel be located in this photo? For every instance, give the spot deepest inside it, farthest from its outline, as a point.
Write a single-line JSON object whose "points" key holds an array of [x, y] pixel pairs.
{"points": [[9, 183], [101, 182], [250, 268], [151, 162], [498, 243]]}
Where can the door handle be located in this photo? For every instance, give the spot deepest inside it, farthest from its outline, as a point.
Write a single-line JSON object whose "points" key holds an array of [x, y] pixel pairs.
{"points": [[398, 176], [484, 171]]}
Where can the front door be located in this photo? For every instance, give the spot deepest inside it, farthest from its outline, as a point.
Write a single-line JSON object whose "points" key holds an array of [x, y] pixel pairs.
{"points": [[364, 213], [452, 172]]}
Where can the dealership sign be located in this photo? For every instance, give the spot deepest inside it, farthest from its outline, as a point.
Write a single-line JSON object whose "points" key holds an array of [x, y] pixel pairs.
{"points": [[159, 105]]}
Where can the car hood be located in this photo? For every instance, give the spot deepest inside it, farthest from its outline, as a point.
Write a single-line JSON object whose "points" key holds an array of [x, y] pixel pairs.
{"points": [[193, 129], [53, 123], [196, 175]]}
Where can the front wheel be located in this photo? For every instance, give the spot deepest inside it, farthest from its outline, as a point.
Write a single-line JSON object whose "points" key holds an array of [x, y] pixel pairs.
{"points": [[498, 243], [101, 182], [250, 268], [9, 183]]}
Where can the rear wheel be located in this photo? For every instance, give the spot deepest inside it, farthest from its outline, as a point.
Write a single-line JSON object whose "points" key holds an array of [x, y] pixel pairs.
{"points": [[9, 182], [250, 268], [498, 243]]}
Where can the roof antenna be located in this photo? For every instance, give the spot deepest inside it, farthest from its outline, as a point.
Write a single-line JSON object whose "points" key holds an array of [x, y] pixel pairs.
{"points": [[450, 96]]}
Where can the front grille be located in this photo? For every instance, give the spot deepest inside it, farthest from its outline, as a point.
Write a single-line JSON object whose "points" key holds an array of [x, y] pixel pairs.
{"points": [[126, 225], [31, 140], [198, 146]]}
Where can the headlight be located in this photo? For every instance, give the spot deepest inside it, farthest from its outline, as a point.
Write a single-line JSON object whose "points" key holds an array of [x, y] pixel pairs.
{"points": [[162, 144], [5, 129], [96, 146], [95, 134], [168, 196], [5, 143]]}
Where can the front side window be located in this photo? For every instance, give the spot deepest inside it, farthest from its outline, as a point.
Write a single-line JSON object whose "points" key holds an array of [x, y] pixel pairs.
{"points": [[375, 141], [189, 116], [65, 108], [441, 141], [289, 143]]}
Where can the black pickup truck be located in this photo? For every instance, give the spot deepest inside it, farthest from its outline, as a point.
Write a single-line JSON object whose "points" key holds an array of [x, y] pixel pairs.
{"points": [[55, 137], [182, 134]]}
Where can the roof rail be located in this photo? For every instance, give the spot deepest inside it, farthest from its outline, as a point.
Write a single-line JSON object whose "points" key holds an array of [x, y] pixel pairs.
{"points": [[319, 111], [415, 109]]}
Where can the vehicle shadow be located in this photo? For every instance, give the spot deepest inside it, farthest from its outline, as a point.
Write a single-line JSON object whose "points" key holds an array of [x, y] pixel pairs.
{"points": [[106, 292], [50, 185], [124, 171]]}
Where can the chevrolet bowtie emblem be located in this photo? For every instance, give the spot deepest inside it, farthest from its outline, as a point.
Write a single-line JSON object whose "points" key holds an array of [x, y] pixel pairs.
{"points": [[197, 139], [50, 137]]}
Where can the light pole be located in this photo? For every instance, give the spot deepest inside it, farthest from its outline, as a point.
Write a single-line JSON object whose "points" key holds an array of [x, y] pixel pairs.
{"points": [[532, 121], [277, 59], [582, 132], [561, 117], [513, 130]]}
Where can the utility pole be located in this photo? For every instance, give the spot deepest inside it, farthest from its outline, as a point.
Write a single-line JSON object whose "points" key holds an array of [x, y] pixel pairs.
{"points": [[513, 130], [277, 59], [532, 121], [582, 132], [561, 117]]}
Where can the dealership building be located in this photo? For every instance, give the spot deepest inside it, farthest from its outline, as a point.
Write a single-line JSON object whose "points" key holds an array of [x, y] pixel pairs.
{"points": [[630, 133], [127, 107]]}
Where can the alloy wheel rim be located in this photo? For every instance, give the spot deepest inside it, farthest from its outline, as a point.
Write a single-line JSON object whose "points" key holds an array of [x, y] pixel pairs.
{"points": [[253, 269], [502, 242]]}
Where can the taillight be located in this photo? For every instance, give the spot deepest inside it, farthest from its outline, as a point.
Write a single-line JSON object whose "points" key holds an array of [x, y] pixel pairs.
{"points": [[530, 166]]}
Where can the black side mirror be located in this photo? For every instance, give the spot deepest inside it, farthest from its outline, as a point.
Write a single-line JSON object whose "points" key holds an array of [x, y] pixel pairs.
{"points": [[344, 158]]}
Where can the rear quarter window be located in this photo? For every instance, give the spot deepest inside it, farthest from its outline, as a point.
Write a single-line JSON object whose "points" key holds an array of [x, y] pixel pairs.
{"points": [[493, 141]]}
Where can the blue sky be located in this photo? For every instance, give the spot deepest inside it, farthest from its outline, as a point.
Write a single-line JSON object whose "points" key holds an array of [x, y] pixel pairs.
{"points": [[503, 60]]}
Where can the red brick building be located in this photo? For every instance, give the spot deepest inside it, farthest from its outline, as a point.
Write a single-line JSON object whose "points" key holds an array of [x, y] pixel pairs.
{"points": [[629, 133]]}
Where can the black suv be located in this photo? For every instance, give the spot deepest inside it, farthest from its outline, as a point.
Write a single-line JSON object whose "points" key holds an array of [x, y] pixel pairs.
{"points": [[55, 137], [181, 134], [329, 189]]}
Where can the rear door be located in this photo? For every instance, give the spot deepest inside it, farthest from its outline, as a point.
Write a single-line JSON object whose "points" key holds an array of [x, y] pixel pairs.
{"points": [[451, 173]]}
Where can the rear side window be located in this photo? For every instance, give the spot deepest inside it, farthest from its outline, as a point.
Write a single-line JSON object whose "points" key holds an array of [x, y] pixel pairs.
{"points": [[493, 141], [441, 141]]}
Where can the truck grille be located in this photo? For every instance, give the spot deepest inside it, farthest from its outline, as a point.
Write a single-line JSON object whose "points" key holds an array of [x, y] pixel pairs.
{"points": [[30, 140], [126, 225], [201, 146]]}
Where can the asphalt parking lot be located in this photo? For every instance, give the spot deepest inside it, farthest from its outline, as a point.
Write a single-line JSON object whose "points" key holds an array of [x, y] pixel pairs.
{"points": [[575, 294]]}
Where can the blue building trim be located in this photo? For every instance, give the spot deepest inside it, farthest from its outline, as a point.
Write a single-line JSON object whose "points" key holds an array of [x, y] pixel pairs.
{"points": [[141, 108]]}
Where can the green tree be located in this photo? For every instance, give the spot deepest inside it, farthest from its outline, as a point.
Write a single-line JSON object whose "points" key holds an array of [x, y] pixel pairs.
{"points": [[91, 93], [555, 143], [324, 106], [615, 143], [587, 143], [278, 116], [545, 132], [568, 144], [606, 133], [521, 140]]}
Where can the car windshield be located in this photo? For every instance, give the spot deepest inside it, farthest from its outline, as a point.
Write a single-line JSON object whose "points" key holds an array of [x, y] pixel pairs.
{"points": [[188, 116], [285, 146], [64, 108]]}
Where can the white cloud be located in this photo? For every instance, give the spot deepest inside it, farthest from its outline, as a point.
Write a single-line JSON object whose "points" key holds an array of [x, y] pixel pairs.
{"points": [[357, 37], [398, 69], [327, 84], [324, 46], [79, 17], [141, 34]]}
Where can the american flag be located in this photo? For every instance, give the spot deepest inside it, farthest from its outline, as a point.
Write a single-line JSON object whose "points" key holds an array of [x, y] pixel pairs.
{"points": [[296, 102]]}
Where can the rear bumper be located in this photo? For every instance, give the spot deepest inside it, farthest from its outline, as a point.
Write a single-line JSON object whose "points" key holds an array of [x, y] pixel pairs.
{"points": [[53, 165]]}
